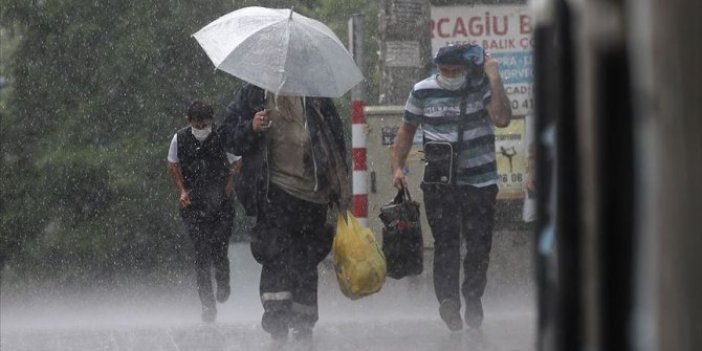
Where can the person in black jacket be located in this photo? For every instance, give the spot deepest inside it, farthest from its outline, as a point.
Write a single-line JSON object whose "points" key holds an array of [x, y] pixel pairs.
{"points": [[295, 166], [201, 171]]}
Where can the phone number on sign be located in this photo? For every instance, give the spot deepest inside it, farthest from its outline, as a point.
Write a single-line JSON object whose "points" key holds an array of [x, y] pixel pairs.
{"points": [[522, 104], [511, 178]]}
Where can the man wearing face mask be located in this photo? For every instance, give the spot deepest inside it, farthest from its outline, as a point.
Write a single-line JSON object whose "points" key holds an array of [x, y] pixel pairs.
{"points": [[458, 109], [202, 173]]}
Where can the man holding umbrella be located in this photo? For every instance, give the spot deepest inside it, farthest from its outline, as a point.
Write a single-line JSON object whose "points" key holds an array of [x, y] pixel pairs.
{"points": [[286, 128], [295, 165]]}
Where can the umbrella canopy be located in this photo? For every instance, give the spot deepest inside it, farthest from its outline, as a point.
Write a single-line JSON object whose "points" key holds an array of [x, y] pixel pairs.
{"points": [[281, 51]]}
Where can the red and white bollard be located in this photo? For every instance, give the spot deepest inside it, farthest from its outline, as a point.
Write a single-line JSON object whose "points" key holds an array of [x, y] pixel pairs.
{"points": [[360, 169], [358, 126]]}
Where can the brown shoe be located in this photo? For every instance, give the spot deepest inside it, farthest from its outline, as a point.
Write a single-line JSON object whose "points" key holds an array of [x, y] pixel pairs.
{"points": [[209, 314], [302, 333], [223, 293], [450, 313], [474, 313], [276, 327]]}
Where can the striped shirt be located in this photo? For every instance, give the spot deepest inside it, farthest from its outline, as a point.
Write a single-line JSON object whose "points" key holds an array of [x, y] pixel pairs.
{"points": [[438, 110]]}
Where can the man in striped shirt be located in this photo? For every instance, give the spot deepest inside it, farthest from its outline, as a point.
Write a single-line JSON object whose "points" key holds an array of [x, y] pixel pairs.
{"points": [[458, 109]]}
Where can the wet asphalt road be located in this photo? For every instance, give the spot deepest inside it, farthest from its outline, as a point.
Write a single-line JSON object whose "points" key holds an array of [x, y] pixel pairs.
{"points": [[403, 316]]}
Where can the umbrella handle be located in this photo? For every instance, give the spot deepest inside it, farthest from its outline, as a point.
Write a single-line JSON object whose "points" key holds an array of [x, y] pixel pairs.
{"points": [[291, 12]]}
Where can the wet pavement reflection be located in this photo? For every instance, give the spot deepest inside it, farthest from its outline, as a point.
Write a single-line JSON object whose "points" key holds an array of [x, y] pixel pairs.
{"points": [[403, 316]]}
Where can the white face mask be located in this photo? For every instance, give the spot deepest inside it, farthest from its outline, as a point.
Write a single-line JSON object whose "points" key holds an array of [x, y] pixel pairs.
{"points": [[454, 83], [201, 134]]}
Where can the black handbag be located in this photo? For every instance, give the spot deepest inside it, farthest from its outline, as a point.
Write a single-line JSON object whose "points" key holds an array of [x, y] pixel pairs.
{"points": [[402, 236]]}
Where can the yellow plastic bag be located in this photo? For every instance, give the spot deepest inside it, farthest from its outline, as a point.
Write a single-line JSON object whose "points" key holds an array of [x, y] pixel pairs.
{"points": [[358, 259]]}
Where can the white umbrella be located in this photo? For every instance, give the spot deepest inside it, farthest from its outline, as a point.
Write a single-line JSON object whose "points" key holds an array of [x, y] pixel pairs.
{"points": [[281, 51]]}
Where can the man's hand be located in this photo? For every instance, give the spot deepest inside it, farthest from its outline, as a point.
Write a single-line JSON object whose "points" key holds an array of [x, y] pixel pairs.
{"points": [[177, 176], [261, 121], [491, 67], [399, 152], [235, 167], [399, 181], [184, 199]]}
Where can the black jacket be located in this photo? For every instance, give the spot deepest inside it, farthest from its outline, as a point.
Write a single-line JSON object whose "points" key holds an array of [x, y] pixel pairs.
{"points": [[205, 170], [239, 138]]}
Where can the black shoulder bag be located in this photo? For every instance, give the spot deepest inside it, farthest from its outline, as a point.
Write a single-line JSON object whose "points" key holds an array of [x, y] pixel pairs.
{"points": [[441, 156]]}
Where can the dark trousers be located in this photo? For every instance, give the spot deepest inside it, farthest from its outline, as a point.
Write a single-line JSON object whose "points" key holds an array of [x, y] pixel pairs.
{"points": [[290, 239], [455, 213], [210, 241]]}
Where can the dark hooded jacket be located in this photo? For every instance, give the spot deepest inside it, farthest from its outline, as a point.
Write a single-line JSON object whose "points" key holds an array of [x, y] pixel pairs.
{"points": [[239, 138]]}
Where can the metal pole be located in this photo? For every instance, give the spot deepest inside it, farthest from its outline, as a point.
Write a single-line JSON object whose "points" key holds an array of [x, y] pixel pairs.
{"points": [[405, 49]]}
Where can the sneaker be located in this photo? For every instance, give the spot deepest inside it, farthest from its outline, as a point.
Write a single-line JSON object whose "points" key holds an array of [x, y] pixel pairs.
{"points": [[449, 310], [474, 313], [223, 293], [209, 314], [277, 329], [302, 333], [280, 335]]}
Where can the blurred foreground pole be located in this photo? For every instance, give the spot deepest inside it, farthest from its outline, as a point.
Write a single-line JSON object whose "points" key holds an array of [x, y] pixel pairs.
{"points": [[405, 48], [629, 161], [667, 54], [358, 120]]}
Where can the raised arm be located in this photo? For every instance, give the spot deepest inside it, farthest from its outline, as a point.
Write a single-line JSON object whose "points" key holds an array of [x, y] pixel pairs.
{"points": [[498, 108], [237, 131]]}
